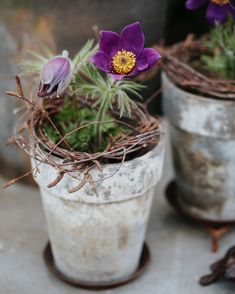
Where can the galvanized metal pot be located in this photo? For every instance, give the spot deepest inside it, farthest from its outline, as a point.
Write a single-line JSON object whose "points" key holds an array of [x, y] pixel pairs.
{"points": [[97, 233], [203, 144]]}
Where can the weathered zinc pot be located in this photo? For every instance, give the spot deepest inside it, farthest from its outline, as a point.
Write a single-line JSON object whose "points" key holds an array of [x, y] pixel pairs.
{"points": [[203, 143], [97, 233]]}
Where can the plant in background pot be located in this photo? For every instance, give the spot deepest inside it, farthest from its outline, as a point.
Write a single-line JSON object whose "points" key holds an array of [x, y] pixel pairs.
{"points": [[96, 154], [199, 93]]}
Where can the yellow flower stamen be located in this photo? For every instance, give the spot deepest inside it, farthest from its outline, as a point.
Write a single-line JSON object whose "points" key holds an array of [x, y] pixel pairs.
{"points": [[123, 62], [220, 2]]}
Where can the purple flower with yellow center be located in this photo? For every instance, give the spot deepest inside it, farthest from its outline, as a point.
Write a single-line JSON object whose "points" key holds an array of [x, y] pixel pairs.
{"points": [[217, 11], [124, 55], [55, 76]]}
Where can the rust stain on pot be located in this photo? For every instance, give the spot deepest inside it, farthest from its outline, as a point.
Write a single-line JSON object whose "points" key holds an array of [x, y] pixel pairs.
{"points": [[201, 177], [65, 201], [198, 169], [141, 207], [198, 201], [90, 248], [203, 140], [107, 194], [123, 237], [91, 189]]}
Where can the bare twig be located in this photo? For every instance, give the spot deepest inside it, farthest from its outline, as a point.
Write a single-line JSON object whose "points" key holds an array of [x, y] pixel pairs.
{"points": [[175, 63], [29, 135]]}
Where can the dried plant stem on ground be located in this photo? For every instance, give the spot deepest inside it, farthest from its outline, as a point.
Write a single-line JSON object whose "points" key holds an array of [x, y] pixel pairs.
{"points": [[29, 134]]}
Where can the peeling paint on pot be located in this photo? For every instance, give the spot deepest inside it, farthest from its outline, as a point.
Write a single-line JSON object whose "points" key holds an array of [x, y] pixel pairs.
{"points": [[97, 233], [203, 144]]}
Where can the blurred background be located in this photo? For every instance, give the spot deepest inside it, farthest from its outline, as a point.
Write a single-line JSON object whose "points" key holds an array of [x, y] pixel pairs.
{"points": [[28, 24]]}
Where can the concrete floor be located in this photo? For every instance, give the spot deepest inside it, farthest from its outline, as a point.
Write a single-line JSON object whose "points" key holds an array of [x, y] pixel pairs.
{"points": [[180, 251]]}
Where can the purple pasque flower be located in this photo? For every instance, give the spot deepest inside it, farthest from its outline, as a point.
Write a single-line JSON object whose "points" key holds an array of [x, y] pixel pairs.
{"points": [[124, 55], [217, 11], [55, 76]]}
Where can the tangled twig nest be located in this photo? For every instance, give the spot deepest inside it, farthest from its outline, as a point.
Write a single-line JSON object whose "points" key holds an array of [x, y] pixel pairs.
{"points": [[30, 136], [176, 63]]}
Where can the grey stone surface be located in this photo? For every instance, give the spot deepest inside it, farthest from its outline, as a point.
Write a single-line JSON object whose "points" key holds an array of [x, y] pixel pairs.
{"points": [[180, 251]]}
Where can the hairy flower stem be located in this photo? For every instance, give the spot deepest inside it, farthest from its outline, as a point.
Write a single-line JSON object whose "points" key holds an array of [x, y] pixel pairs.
{"points": [[104, 106], [98, 127]]}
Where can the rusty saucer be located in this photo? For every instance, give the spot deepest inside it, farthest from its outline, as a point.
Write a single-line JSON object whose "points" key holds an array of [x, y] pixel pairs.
{"points": [[215, 229], [49, 261]]}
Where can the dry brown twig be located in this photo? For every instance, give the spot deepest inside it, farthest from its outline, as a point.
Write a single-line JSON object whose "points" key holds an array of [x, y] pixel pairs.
{"points": [[175, 63], [144, 134]]}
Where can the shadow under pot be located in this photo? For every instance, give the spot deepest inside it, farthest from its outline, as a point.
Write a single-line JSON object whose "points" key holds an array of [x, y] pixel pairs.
{"points": [[97, 233], [203, 143]]}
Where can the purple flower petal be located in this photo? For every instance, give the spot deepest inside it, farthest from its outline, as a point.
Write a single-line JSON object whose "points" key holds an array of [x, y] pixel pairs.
{"points": [[117, 77], [55, 76], [134, 72], [109, 42], [132, 39], [217, 12], [102, 61], [131, 56], [195, 4], [63, 84], [62, 73], [147, 59], [50, 68]]}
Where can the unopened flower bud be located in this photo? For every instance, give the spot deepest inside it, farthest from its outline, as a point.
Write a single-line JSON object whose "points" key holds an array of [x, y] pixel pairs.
{"points": [[55, 76]]}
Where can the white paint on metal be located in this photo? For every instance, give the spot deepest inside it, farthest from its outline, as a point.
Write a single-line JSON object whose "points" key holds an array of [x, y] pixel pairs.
{"points": [[203, 140], [197, 114], [97, 233]]}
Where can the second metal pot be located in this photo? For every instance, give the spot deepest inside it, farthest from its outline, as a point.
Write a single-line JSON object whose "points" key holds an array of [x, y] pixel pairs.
{"points": [[203, 144]]}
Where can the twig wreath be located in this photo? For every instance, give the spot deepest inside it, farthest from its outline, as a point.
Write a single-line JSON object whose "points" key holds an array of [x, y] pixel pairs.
{"points": [[86, 116], [206, 66]]}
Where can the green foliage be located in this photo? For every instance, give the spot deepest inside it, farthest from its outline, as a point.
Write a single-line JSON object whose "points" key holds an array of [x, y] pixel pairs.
{"points": [[51, 133], [79, 140], [106, 92], [222, 46], [70, 118], [223, 36], [36, 61], [94, 85], [69, 112], [84, 55], [89, 82], [218, 64]]}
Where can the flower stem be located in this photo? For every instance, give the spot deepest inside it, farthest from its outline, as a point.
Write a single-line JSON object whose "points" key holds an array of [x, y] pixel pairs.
{"points": [[103, 110], [98, 127]]}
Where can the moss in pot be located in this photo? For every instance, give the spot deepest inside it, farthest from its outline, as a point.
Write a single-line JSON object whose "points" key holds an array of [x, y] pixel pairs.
{"points": [[96, 155]]}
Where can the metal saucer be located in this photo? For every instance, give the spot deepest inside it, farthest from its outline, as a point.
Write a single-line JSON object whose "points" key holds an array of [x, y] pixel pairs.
{"points": [[49, 261], [215, 229]]}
